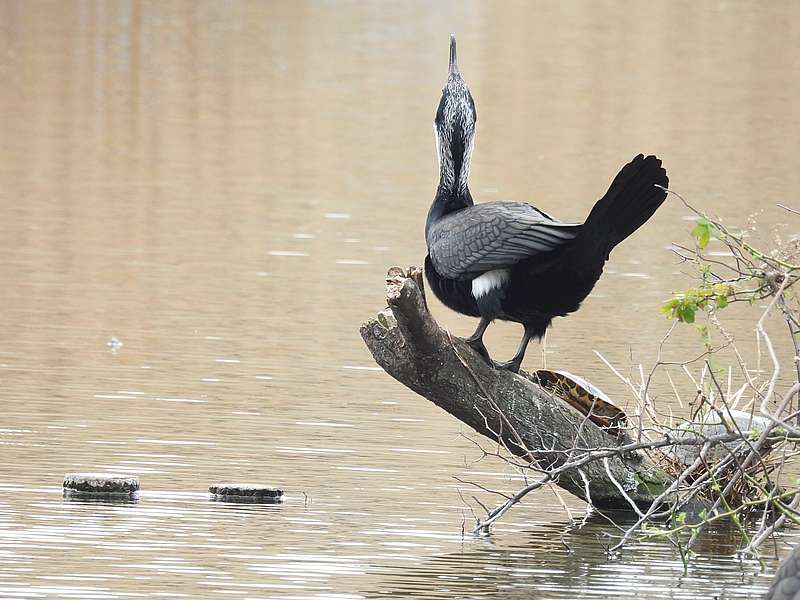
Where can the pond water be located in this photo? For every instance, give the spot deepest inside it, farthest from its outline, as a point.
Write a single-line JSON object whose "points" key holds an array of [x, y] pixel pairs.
{"points": [[199, 204]]}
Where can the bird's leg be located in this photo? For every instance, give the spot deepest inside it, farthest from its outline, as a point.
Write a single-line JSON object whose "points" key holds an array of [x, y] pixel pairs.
{"points": [[475, 341], [515, 363]]}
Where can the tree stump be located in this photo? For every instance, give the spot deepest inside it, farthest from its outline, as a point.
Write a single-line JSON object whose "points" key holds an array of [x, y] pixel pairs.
{"points": [[509, 408]]}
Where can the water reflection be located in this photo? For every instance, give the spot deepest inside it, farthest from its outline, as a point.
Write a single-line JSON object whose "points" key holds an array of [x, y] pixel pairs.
{"points": [[409, 549], [568, 560], [220, 188]]}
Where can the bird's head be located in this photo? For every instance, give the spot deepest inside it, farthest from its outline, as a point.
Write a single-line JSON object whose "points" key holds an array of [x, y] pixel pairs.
{"points": [[455, 129]]}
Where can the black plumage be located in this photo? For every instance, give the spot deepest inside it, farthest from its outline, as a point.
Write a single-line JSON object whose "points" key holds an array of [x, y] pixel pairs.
{"points": [[786, 583], [510, 260]]}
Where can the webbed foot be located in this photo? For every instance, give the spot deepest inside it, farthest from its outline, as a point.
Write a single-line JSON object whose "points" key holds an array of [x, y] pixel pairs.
{"points": [[510, 365], [479, 347], [515, 363]]}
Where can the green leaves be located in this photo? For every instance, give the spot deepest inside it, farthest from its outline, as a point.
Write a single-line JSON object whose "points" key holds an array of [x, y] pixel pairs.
{"points": [[703, 231], [683, 305], [680, 307]]}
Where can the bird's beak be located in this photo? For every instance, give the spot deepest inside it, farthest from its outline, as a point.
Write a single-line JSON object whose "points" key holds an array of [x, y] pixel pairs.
{"points": [[453, 70]]}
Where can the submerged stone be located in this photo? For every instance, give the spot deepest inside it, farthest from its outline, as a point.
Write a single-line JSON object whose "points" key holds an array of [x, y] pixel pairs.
{"points": [[100, 484], [245, 492]]}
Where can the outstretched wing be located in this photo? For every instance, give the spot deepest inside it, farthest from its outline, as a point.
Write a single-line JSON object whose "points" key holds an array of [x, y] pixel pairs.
{"points": [[494, 235]]}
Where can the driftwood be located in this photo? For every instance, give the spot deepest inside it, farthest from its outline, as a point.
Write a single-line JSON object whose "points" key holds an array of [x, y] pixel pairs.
{"points": [[511, 409]]}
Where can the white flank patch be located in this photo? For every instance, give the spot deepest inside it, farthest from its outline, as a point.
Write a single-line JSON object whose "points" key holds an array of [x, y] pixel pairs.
{"points": [[489, 281]]}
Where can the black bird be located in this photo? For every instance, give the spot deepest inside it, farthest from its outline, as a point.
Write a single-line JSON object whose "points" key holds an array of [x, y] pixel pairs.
{"points": [[786, 583], [510, 260]]}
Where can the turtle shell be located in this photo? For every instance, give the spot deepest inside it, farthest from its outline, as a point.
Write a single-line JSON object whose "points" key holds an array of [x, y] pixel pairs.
{"points": [[584, 397]]}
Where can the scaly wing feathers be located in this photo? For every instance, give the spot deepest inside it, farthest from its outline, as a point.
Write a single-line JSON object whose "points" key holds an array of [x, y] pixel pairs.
{"points": [[493, 235]]}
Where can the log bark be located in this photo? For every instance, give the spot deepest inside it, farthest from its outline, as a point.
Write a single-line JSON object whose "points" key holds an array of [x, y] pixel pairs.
{"points": [[512, 409]]}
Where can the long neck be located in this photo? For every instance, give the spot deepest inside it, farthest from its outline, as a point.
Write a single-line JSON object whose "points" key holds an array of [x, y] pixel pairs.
{"points": [[452, 192], [454, 150]]}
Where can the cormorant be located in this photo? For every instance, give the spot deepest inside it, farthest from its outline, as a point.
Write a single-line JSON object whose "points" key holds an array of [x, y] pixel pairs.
{"points": [[510, 260], [786, 583]]}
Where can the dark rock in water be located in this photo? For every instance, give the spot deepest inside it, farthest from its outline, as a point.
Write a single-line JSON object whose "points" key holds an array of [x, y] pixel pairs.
{"points": [[245, 492], [100, 484]]}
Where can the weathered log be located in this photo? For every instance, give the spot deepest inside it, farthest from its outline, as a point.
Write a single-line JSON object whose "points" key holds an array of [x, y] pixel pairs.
{"points": [[512, 409]]}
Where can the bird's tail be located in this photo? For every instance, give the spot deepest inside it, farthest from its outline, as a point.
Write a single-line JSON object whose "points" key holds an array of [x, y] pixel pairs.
{"points": [[632, 199]]}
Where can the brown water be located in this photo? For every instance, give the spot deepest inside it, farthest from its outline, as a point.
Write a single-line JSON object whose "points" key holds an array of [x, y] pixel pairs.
{"points": [[221, 185]]}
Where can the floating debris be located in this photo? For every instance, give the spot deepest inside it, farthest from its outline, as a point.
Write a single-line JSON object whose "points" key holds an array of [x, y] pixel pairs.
{"points": [[245, 492], [350, 261], [100, 485], [334, 215]]}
